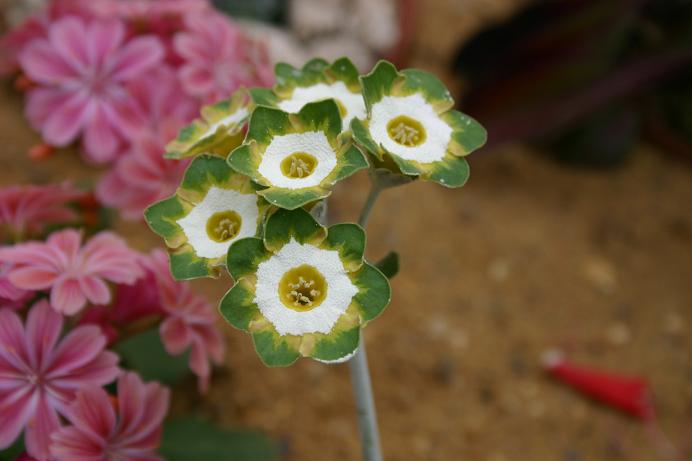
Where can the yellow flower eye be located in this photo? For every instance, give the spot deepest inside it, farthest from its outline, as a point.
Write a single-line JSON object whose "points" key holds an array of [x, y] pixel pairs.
{"points": [[406, 131], [302, 288], [223, 225], [298, 165]]}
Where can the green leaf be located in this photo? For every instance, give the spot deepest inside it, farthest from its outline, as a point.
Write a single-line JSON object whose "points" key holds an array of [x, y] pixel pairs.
{"points": [[389, 265], [145, 354], [193, 439], [12, 452]]}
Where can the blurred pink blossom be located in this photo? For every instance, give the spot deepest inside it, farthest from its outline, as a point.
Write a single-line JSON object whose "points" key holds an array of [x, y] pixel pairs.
{"points": [[100, 432], [141, 177], [219, 58], [39, 374], [11, 296], [73, 274], [26, 210], [81, 69], [190, 321]]}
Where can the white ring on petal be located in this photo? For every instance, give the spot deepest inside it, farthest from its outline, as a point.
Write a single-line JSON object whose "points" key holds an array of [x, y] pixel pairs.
{"points": [[352, 102], [343, 359], [321, 319], [194, 225], [314, 143], [437, 133], [226, 122]]}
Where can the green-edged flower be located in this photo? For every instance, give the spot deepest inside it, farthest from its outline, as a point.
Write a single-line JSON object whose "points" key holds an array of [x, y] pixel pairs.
{"points": [[213, 207], [304, 290], [409, 118], [218, 131], [297, 157], [316, 81]]}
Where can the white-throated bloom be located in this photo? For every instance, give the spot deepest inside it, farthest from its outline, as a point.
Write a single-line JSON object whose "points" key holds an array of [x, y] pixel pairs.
{"points": [[213, 207], [410, 120], [316, 81], [219, 130], [303, 290], [297, 158]]}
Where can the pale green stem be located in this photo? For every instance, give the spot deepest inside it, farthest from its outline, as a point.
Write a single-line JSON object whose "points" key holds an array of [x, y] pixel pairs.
{"points": [[360, 375]]}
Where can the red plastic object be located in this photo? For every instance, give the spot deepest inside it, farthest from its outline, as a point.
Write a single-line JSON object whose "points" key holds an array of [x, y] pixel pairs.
{"points": [[630, 394]]}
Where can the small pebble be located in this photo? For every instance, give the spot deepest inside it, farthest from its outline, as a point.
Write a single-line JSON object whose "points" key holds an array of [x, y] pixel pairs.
{"points": [[619, 334]]}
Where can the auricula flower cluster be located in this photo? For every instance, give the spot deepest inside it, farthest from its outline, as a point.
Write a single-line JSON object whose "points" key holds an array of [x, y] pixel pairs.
{"points": [[266, 160]]}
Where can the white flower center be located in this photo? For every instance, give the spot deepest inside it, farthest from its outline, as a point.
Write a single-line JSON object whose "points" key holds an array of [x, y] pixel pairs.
{"points": [[410, 128], [351, 104], [303, 289], [223, 216], [298, 160]]}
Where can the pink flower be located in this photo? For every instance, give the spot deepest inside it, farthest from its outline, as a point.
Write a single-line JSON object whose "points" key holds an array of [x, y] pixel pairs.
{"points": [[40, 374], [219, 58], [190, 322], [11, 297], [141, 177], [73, 274], [81, 69], [131, 303], [99, 432], [26, 210]]}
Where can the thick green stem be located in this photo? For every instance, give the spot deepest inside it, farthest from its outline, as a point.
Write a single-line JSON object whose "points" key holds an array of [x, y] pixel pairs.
{"points": [[360, 375]]}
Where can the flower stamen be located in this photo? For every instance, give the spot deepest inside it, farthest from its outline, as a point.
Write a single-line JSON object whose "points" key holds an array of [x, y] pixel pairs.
{"points": [[298, 165], [302, 288], [406, 131], [223, 225]]}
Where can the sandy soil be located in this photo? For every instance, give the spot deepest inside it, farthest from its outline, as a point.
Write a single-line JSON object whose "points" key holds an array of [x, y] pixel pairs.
{"points": [[528, 256]]}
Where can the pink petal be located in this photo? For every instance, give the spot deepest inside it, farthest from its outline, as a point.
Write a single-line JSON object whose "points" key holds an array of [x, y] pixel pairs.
{"points": [[17, 407], [29, 253], [67, 38], [41, 103], [43, 327], [175, 334], [62, 126], [100, 141], [66, 297], [102, 370], [95, 289], [103, 38], [190, 47], [42, 64], [70, 444], [197, 81], [66, 242], [92, 412], [32, 278], [76, 350], [12, 342], [142, 410], [39, 429], [137, 56], [199, 364]]}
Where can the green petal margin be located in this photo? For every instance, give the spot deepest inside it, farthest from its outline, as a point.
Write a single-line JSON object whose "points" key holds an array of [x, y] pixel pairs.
{"points": [[275, 350], [244, 256], [283, 225], [314, 72], [203, 173], [196, 138], [379, 82], [340, 342], [266, 123], [238, 306], [374, 292], [349, 240]]}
